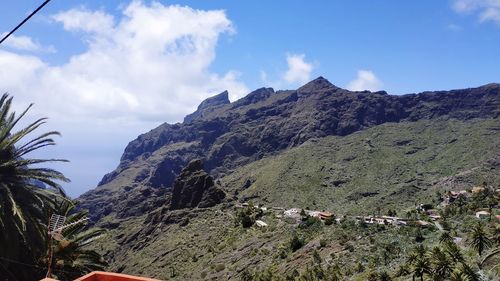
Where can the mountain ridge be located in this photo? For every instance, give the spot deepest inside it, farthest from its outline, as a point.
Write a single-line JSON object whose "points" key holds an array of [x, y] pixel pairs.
{"points": [[265, 122]]}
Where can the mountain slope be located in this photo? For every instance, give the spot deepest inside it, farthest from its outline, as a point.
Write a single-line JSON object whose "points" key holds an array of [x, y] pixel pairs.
{"points": [[265, 122], [392, 166]]}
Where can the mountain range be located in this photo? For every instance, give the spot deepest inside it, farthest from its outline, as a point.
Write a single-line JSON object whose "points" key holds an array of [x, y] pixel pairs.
{"points": [[168, 204]]}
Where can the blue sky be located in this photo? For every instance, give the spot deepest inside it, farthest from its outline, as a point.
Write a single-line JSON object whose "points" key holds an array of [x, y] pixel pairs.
{"points": [[106, 71]]}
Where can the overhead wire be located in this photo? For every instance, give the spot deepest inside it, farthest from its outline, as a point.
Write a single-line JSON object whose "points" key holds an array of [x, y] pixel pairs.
{"points": [[24, 21]]}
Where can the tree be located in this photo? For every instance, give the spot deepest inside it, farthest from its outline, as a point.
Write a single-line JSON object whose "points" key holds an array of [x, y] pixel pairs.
{"points": [[245, 218], [445, 238], [72, 257], [419, 262], [457, 275], [454, 252], [468, 273], [402, 270], [419, 236], [26, 193], [421, 267], [479, 240], [441, 264], [246, 221], [296, 243]]}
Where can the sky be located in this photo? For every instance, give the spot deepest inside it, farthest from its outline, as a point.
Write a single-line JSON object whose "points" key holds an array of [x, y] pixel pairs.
{"points": [[104, 72]]}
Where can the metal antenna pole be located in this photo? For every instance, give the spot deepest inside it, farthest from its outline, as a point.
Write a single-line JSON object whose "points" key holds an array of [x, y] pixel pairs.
{"points": [[49, 251]]}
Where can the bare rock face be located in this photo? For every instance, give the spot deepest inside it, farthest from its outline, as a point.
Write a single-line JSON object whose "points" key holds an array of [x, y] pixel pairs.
{"points": [[195, 188], [208, 105]]}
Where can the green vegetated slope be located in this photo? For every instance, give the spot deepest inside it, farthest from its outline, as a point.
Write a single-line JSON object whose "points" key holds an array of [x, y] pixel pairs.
{"points": [[393, 165]]}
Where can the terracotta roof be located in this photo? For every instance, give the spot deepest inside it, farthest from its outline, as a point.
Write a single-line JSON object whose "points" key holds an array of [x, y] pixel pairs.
{"points": [[109, 276]]}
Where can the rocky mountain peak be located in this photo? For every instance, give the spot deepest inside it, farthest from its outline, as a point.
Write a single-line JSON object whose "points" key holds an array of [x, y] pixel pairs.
{"points": [[491, 86], [209, 104], [254, 97], [318, 84], [216, 100]]}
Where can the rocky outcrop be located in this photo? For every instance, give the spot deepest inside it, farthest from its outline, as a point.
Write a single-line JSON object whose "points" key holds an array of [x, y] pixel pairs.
{"points": [[318, 84], [195, 188], [208, 105], [254, 97]]}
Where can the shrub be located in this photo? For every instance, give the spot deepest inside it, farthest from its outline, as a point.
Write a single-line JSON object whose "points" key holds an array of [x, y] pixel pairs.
{"points": [[317, 258], [220, 267], [322, 243], [419, 236], [330, 220], [359, 267], [310, 221], [372, 276], [283, 253], [246, 275], [296, 243], [246, 221]]}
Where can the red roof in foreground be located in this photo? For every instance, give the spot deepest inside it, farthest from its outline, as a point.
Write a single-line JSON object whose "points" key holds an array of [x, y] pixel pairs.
{"points": [[108, 276]]}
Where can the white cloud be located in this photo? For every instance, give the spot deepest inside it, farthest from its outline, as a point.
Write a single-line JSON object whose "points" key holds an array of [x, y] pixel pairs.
{"points": [[82, 19], [25, 43], [151, 64], [145, 67], [366, 80], [299, 71], [488, 10]]}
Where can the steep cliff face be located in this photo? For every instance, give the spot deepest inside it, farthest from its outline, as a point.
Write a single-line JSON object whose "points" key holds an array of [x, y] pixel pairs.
{"points": [[228, 135]]}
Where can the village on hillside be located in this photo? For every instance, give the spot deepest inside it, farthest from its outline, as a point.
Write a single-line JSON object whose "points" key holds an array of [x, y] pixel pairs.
{"points": [[424, 215]]}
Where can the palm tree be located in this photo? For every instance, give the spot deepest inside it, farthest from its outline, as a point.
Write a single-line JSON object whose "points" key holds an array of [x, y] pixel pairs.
{"points": [[479, 240], [402, 270], [24, 205], [454, 252], [419, 262], [468, 273], [72, 257], [445, 238], [457, 275], [496, 234], [421, 267], [441, 264]]}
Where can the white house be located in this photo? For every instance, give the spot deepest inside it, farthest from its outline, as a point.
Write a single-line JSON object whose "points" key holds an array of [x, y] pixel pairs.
{"points": [[482, 214], [292, 213], [260, 223]]}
